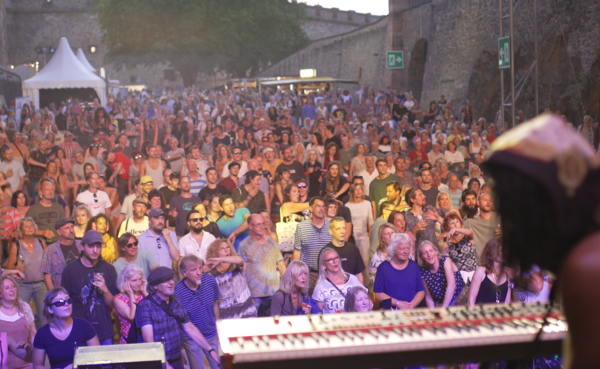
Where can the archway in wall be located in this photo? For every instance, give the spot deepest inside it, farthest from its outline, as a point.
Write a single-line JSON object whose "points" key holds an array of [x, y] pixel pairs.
{"points": [[416, 68]]}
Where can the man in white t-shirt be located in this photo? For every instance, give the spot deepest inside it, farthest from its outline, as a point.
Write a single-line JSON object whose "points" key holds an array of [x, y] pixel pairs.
{"points": [[98, 201], [13, 171], [138, 223]]}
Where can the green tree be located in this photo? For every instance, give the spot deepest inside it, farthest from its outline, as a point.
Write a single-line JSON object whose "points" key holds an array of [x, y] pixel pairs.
{"points": [[239, 37]]}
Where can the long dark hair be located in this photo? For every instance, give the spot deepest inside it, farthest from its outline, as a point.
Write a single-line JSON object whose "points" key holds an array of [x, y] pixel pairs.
{"points": [[15, 195]]}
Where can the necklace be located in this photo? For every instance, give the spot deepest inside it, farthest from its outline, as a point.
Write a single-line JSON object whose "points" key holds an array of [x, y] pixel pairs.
{"points": [[8, 308]]}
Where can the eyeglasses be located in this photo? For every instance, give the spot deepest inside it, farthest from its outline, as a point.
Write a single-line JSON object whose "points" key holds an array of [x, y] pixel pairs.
{"points": [[237, 153], [130, 245], [193, 220], [158, 242], [259, 224], [137, 157], [61, 302], [333, 260], [302, 185], [95, 198]]}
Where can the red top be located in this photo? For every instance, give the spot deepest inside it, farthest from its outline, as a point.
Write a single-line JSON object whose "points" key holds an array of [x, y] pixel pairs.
{"points": [[121, 158]]}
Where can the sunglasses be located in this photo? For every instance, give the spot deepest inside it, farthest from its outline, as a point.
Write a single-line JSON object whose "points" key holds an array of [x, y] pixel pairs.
{"points": [[138, 157], [193, 220], [95, 198], [302, 185], [61, 302], [158, 242], [130, 245], [237, 152]]}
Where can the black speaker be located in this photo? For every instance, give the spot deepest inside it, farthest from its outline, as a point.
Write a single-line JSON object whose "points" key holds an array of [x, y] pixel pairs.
{"points": [[130, 356]]}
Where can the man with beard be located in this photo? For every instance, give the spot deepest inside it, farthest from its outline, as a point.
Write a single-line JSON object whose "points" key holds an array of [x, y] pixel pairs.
{"points": [[294, 166], [421, 218], [212, 187], [468, 204], [182, 204], [59, 254], [486, 225], [138, 223], [428, 190], [92, 283], [159, 240], [196, 242]]}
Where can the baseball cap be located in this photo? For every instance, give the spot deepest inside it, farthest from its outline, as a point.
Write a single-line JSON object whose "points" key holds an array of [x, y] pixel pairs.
{"points": [[154, 213], [62, 221], [146, 179], [91, 237]]}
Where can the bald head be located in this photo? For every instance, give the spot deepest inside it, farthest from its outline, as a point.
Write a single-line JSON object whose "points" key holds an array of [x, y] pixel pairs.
{"points": [[253, 164], [257, 225]]}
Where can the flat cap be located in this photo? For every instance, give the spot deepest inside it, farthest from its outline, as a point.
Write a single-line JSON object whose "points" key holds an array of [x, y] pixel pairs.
{"points": [[62, 221], [160, 275]]}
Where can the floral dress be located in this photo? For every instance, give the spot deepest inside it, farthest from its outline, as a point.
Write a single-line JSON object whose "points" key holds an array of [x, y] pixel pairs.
{"points": [[125, 323], [436, 283]]}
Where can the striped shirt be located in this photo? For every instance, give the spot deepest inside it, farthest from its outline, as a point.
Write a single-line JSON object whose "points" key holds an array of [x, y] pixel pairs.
{"points": [[198, 184], [310, 240], [200, 304]]}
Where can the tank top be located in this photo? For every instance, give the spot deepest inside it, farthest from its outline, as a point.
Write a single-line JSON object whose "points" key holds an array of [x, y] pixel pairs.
{"points": [[19, 330], [156, 174], [489, 292], [33, 261]]}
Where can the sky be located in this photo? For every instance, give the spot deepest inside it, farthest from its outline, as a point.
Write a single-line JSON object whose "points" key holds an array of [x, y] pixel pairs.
{"points": [[375, 7]]}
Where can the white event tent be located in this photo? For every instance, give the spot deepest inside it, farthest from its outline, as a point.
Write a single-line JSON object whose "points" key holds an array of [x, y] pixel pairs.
{"points": [[63, 71], [84, 61]]}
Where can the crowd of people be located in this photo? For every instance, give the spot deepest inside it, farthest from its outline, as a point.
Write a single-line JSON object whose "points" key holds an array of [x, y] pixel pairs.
{"points": [[151, 217]]}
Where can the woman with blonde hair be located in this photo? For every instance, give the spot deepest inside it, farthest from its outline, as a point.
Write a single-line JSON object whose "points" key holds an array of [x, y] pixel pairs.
{"points": [[58, 338], [442, 278], [385, 234], [133, 286], [82, 214], [292, 297], [16, 319], [333, 283], [25, 255], [228, 269]]}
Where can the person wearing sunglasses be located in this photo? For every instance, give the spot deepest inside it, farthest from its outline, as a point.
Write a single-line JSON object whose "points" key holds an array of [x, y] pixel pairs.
{"points": [[197, 241], [237, 158], [58, 338], [97, 200], [92, 283]]}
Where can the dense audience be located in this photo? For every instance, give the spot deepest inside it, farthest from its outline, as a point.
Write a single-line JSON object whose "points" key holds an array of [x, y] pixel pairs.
{"points": [[194, 206]]}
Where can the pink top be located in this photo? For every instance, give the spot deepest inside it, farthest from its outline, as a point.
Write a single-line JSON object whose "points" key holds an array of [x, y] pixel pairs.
{"points": [[125, 323], [12, 218]]}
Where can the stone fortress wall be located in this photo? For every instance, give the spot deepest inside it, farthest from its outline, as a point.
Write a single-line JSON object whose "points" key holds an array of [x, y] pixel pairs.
{"points": [[25, 24], [450, 48]]}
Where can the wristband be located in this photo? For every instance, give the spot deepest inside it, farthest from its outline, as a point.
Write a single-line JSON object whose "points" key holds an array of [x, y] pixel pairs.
{"points": [[212, 349]]}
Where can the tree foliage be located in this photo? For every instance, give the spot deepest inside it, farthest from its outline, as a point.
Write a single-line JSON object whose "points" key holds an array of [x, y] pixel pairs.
{"points": [[238, 37]]}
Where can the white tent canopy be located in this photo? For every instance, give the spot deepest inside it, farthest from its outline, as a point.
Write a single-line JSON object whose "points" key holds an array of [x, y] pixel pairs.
{"points": [[64, 70], [84, 61]]}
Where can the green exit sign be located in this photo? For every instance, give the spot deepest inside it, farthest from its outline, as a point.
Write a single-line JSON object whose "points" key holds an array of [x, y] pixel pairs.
{"points": [[504, 52], [395, 59]]}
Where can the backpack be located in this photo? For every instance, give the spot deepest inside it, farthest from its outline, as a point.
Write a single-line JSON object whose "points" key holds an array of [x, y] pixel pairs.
{"points": [[264, 309], [135, 334]]}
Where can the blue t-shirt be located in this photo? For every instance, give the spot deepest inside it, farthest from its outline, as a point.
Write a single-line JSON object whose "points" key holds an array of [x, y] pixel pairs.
{"points": [[228, 226], [402, 285], [200, 304], [61, 353]]}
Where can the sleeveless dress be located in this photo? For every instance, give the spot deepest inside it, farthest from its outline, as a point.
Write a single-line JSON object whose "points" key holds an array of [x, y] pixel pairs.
{"points": [[490, 293], [125, 324], [19, 330], [437, 283]]}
